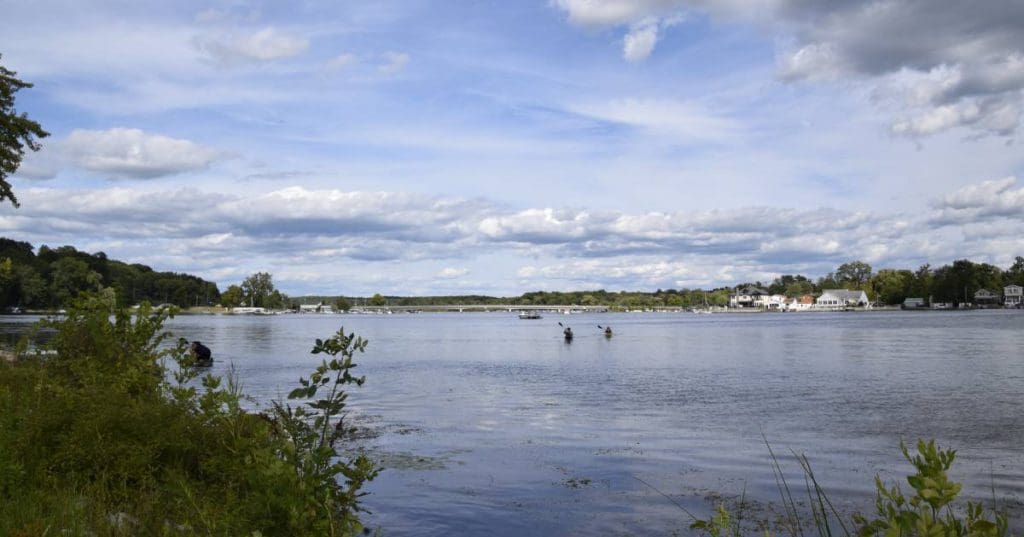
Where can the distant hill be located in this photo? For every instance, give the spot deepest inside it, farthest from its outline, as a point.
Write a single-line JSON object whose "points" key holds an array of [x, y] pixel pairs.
{"points": [[47, 278]]}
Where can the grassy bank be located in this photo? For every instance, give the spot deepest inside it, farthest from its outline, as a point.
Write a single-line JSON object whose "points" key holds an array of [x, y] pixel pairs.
{"points": [[113, 436]]}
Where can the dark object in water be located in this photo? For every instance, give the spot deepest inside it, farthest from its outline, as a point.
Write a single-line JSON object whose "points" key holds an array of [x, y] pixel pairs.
{"points": [[567, 333], [202, 354]]}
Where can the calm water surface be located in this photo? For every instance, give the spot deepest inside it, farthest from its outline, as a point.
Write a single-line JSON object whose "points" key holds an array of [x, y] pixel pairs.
{"points": [[491, 425]]}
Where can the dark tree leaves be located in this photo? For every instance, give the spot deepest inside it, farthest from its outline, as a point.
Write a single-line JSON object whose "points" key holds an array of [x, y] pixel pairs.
{"points": [[17, 132]]}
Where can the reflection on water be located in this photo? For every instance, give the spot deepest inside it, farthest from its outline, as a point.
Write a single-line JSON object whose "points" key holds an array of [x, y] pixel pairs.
{"points": [[493, 425]]}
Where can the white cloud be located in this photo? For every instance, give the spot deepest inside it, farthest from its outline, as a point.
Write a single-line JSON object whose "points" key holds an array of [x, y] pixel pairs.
{"points": [[682, 121], [871, 42], [313, 231], [395, 62], [982, 202], [263, 45], [341, 61], [452, 273], [638, 44], [132, 153]]}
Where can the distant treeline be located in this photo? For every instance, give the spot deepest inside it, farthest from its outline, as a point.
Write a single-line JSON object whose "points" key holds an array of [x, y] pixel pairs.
{"points": [[48, 278], [955, 283]]}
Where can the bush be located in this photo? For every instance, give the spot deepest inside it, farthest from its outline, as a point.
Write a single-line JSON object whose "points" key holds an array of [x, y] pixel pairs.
{"points": [[103, 438], [929, 512]]}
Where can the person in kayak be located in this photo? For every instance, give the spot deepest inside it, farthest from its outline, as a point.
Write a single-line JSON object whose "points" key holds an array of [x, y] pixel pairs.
{"points": [[201, 353], [567, 333], [607, 331]]}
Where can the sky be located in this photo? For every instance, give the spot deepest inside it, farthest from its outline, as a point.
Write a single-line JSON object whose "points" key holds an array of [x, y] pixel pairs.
{"points": [[410, 147]]}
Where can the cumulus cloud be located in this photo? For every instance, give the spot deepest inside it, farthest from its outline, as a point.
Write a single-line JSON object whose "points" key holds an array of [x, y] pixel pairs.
{"points": [[267, 44], [311, 231], [989, 200], [878, 42], [132, 153]]}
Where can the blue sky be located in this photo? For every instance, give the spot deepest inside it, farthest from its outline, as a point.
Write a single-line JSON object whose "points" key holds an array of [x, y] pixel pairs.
{"points": [[415, 147]]}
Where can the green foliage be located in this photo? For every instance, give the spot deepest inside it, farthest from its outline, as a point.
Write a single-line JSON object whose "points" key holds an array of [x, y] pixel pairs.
{"points": [[342, 304], [109, 431], [853, 274], [232, 297], [929, 512], [257, 290], [315, 428], [17, 131], [378, 300], [56, 275]]}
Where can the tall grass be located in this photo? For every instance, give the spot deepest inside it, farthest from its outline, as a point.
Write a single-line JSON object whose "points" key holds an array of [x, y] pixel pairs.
{"points": [[109, 432], [930, 510]]}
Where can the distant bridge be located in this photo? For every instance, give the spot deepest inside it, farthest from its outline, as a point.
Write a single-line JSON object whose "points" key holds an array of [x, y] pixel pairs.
{"points": [[482, 308]]}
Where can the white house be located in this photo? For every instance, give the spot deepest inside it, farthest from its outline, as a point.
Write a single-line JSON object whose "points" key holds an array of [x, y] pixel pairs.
{"points": [[842, 298], [803, 303], [1012, 296], [771, 302], [748, 297]]}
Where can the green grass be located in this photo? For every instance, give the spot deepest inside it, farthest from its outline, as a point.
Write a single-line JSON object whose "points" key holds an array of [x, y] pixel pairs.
{"points": [[102, 439]]}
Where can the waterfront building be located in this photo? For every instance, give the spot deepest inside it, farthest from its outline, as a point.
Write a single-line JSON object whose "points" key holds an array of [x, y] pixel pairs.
{"points": [[913, 304], [748, 297], [1012, 296], [842, 298], [983, 298]]}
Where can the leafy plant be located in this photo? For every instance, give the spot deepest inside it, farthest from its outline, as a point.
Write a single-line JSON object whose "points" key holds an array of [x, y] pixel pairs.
{"points": [[317, 425], [108, 430], [930, 510]]}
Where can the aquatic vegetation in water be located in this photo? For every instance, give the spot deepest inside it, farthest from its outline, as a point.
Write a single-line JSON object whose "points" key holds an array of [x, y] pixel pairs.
{"points": [[929, 511]]}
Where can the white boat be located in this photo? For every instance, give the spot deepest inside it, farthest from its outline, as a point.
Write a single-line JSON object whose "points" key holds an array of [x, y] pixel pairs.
{"points": [[530, 315]]}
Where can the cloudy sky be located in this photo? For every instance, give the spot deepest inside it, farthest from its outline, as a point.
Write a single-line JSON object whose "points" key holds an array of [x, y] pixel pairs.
{"points": [[490, 146]]}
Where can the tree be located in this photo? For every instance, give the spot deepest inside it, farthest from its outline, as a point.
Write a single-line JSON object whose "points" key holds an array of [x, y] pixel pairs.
{"points": [[1015, 274], [232, 297], [257, 289], [277, 300], [378, 300], [893, 286], [17, 132], [341, 304], [855, 273], [71, 276], [8, 283]]}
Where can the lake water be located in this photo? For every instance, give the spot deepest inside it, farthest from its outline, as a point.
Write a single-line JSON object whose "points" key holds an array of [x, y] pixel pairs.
{"points": [[492, 425]]}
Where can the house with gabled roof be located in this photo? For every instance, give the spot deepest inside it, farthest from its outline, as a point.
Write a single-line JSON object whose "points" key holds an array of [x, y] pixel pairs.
{"points": [[750, 296], [842, 298], [983, 298], [1012, 296]]}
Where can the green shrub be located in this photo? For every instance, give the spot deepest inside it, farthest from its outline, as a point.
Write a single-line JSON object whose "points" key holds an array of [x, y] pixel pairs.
{"points": [[929, 512], [110, 435]]}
